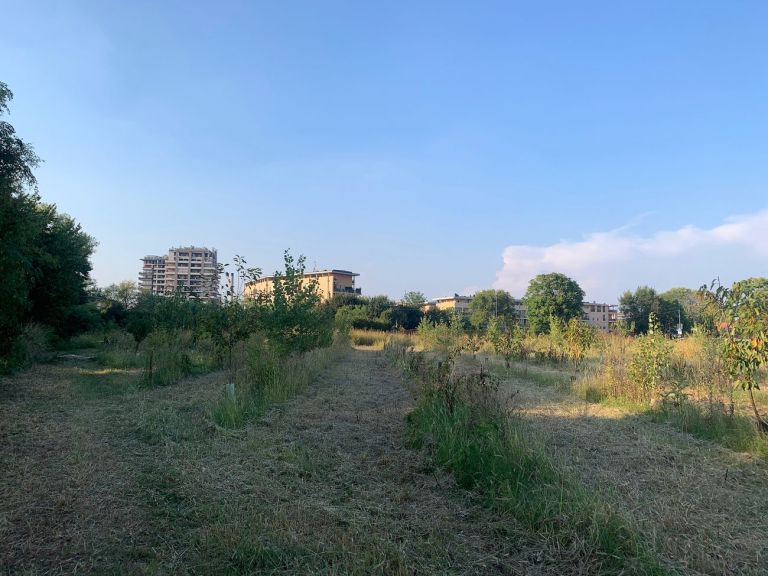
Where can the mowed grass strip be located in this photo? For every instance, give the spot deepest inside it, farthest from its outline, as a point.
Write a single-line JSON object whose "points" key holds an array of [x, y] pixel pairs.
{"points": [[505, 464], [495, 454]]}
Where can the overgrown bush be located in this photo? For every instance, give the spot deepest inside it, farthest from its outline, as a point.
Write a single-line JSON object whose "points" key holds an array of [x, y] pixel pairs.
{"points": [[31, 346], [167, 358], [506, 340], [442, 336], [650, 366]]}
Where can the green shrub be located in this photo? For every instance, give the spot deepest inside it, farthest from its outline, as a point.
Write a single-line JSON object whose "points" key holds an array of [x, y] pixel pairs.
{"points": [[267, 377], [80, 319], [650, 366], [167, 358], [82, 341], [28, 347]]}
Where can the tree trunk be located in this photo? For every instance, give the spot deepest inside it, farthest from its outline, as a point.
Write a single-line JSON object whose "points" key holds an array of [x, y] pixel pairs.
{"points": [[761, 425]]}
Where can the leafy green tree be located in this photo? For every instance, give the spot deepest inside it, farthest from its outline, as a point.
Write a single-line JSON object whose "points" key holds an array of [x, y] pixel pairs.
{"points": [[115, 301], [21, 225], [293, 319], [444, 336], [60, 271], [404, 316], [232, 318], [43, 255], [579, 338], [650, 364], [414, 299], [374, 313], [488, 304], [552, 295], [689, 303], [742, 321], [125, 293], [141, 320], [435, 316], [377, 305], [345, 299], [235, 281], [638, 305], [507, 340]]}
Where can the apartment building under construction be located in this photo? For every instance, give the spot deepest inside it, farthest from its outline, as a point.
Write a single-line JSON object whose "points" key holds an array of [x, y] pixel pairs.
{"points": [[190, 270]]}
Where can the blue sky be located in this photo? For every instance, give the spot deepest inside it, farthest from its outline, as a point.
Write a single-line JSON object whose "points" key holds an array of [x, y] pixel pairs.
{"points": [[434, 146]]}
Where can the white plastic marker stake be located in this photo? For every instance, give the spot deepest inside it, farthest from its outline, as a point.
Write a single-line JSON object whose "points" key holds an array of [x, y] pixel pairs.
{"points": [[231, 390]]}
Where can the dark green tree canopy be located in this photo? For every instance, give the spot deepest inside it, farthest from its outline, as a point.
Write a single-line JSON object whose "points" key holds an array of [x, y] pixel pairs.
{"points": [[636, 306], [377, 305], [403, 316], [689, 305], [677, 303], [552, 296], [125, 293], [44, 255], [488, 304], [17, 158]]}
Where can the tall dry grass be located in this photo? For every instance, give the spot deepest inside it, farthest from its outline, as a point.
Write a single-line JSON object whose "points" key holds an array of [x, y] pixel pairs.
{"points": [[683, 382]]}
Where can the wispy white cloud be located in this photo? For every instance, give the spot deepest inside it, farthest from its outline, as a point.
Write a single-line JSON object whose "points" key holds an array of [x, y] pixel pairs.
{"points": [[605, 263]]}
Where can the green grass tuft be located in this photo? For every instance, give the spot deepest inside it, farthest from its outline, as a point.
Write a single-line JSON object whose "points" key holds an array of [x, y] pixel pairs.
{"points": [[733, 431], [498, 456]]}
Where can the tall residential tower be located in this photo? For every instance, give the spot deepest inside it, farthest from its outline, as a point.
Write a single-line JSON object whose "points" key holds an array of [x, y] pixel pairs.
{"points": [[189, 270]]}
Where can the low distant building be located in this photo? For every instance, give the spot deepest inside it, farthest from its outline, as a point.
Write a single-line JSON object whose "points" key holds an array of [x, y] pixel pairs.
{"points": [[520, 313], [455, 303], [602, 316], [191, 271], [329, 284]]}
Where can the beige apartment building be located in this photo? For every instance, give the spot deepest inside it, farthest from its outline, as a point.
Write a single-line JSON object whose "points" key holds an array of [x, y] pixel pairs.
{"points": [[455, 303], [602, 316], [190, 270], [329, 284]]}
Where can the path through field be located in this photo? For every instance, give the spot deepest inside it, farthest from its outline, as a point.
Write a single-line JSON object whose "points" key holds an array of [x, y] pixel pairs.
{"points": [[142, 482], [95, 478]]}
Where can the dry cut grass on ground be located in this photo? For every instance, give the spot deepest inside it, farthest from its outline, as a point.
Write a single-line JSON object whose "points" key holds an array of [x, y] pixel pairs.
{"points": [[101, 476], [98, 475], [704, 507]]}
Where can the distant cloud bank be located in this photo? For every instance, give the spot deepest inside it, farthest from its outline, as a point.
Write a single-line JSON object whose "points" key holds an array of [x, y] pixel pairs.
{"points": [[607, 263]]}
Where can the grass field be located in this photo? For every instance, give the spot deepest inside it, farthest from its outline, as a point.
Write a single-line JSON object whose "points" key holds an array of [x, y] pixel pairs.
{"points": [[100, 474]]}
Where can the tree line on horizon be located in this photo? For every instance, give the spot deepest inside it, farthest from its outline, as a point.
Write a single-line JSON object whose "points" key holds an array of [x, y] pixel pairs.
{"points": [[46, 287]]}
